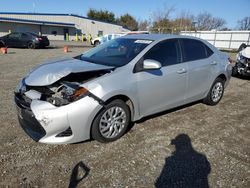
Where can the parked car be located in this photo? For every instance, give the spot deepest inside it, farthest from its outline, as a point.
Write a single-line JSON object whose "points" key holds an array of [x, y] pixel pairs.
{"points": [[99, 40], [25, 39], [97, 94], [242, 65]]}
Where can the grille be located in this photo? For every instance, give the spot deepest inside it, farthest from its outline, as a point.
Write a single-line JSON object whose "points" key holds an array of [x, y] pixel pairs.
{"points": [[65, 133]]}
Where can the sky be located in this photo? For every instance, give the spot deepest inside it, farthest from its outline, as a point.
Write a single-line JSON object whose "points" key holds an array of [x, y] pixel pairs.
{"points": [[230, 10]]}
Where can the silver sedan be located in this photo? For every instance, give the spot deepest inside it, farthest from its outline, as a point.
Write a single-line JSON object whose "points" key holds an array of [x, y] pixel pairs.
{"points": [[97, 94]]}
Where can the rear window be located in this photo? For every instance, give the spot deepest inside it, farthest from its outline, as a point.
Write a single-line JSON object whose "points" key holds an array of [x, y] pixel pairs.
{"points": [[33, 34], [195, 50]]}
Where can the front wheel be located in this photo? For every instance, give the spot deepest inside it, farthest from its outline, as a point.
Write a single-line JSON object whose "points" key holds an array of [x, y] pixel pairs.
{"points": [[215, 93], [31, 45], [111, 122]]}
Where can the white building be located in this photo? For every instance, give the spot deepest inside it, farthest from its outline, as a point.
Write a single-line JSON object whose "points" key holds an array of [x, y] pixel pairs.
{"points": [[55, 26]]}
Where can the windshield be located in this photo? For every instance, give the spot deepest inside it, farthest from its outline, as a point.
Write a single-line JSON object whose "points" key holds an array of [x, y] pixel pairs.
{"points": [[117, 52]]}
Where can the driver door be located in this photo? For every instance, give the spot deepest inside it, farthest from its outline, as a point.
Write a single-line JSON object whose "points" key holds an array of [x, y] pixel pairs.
{"points": [[162, 89]]}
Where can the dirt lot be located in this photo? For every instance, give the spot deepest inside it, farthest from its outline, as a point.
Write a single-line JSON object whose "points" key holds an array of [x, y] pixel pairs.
{"points": [[144, 157]]}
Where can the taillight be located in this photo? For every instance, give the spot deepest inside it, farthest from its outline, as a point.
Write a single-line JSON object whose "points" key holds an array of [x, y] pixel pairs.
{"points": [[39, 39]]}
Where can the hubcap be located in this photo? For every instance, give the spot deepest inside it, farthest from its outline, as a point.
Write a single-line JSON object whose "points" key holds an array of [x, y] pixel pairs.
{"points": [[112, 122], [217, 92]]}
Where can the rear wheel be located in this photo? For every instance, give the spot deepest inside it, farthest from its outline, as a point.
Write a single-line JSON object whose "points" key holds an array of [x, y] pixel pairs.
{"points": [[31, 45], [215, 93], [97, 43], [111, 122]]}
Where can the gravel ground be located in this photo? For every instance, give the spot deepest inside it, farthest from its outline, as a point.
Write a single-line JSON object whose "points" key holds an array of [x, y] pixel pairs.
{"points": [[212, 145]]}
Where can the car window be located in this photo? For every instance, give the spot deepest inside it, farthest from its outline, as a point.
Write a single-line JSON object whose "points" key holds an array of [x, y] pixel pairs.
{"points": [[167, 52], [194, 50], [14, 35], [36, 35], [24, 35]]}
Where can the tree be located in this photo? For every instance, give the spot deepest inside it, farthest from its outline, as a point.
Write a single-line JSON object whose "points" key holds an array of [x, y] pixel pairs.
{"points": [[244, 23], [128, 22], [183, 22], [161, 20], [205, 21], [102, 15], [143, 25]]}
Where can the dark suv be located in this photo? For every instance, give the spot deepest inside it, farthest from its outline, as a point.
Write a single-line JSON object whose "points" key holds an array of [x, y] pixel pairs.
{"points": [[25, 39]]}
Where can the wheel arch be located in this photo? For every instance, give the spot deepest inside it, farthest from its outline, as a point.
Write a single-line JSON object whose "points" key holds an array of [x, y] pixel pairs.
{"points": [[96, 42], [125, 99], [223, 77]]}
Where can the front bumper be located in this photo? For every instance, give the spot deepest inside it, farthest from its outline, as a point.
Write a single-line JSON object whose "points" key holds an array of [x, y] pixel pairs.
{"points": [[28, 121], [47, 123], [245, 71]]}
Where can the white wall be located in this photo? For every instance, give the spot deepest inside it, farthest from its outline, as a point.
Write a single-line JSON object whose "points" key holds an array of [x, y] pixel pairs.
{"points": [[222, 39], [45, 30]]}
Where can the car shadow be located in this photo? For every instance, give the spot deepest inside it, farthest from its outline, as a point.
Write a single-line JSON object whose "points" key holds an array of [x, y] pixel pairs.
{"points": [[185, 167], [79, 172], [11, 52]]}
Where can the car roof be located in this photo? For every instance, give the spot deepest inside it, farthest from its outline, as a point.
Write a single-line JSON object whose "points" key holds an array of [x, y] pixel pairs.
{"points": [[156, 37]]}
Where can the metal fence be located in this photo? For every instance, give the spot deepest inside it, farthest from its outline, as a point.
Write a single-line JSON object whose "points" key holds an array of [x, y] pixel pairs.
{"points": [[222, 39]]}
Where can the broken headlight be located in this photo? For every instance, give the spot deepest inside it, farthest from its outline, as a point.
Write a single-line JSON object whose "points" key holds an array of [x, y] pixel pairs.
{"points": [[72, 92], [63, 93]]}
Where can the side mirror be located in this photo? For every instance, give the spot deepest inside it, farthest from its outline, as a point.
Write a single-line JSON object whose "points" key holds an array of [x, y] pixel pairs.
{"points": [[150, 64]]}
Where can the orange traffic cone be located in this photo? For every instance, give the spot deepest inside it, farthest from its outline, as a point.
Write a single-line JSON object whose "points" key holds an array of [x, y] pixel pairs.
{"points": [[4, 50], [66, 49]]}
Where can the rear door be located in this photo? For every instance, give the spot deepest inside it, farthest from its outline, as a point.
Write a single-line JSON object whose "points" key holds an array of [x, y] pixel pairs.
{"points": [[24, 39], [200, 66], [162, 89]]}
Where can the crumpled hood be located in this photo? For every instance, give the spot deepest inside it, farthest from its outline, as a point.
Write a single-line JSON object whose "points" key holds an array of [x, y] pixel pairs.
{"points": [[52, 71]]}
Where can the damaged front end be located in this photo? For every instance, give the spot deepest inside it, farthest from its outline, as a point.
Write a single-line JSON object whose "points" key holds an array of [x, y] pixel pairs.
{"points": [[61, 112], [63, 92]]}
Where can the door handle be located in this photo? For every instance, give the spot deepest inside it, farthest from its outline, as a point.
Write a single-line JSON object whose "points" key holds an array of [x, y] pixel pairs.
{"points": [[181, 71], [213, 63]]}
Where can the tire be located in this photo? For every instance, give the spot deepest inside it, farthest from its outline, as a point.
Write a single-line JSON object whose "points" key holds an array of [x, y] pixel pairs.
{"points": [[97, 43], [31, 45], [235, 71], [215, 93], [106, 129]]}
